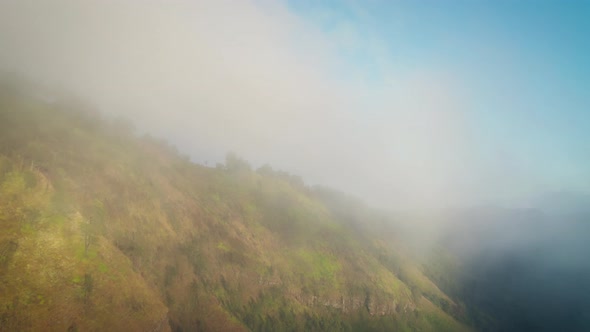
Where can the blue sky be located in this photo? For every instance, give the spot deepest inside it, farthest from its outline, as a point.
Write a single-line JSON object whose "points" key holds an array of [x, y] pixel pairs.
{"points": [[524, 67]]}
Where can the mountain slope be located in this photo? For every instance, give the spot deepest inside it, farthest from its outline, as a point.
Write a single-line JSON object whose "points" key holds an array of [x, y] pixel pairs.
{"points": [[104, 230]]}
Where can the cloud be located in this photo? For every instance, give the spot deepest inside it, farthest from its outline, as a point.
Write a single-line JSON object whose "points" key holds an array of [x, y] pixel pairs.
{"points": [[256, 78]]}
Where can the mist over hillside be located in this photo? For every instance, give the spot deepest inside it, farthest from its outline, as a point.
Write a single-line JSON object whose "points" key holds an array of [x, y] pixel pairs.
{"points": [[339, 94], [294, 165], [108, 230]]}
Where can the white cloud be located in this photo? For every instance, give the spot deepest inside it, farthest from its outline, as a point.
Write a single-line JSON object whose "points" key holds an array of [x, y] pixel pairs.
{"points": [[253, 77]]}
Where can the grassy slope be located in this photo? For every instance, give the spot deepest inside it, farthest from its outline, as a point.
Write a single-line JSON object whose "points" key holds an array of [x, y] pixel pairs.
{"points": [[105, 230]]}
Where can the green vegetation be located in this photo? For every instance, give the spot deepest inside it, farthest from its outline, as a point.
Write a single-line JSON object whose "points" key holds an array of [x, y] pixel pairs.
{"points": [[102, 230]]}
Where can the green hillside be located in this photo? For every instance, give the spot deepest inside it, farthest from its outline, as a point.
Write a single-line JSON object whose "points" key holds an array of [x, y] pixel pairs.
{"points": [[105, 230]]}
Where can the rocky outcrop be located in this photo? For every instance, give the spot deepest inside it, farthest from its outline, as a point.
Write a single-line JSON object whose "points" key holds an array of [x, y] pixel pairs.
{"points": [[351, 304]]}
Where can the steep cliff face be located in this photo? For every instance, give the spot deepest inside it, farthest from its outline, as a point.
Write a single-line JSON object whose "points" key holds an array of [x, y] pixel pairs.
{"points": [[103, 230]]}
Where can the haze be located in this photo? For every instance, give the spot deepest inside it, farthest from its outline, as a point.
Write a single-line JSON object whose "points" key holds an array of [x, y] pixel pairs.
{"points": [[403, 104]]}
